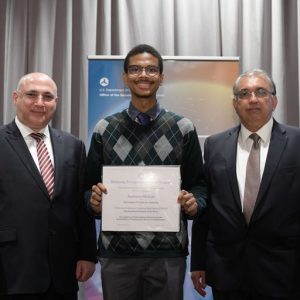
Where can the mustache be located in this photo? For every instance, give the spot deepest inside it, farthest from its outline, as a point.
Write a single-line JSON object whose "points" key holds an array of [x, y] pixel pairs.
{"points": [[39, 109], [144, 81]]}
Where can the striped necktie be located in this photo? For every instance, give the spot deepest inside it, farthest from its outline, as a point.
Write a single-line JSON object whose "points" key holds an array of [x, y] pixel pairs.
{"points": [[46, 167]]}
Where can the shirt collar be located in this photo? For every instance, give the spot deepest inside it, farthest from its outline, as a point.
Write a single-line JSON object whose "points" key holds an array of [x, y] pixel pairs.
{"points": [[26, 131], [153, 112], [264, 132]]}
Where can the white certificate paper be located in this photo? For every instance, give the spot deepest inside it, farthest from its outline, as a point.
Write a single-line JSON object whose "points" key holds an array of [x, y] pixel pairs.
{"points": [[141, 198]]}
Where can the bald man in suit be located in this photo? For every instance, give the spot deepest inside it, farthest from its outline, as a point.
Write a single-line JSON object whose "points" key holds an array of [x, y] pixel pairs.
{"points": [[242, 254], [47, 240]]}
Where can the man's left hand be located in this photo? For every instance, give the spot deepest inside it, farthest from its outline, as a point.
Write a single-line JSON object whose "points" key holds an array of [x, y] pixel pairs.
{"points": [[188, 203]]}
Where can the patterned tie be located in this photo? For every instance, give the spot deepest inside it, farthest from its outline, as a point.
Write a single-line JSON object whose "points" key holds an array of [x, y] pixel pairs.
{"points": [[46, 167], [252, 178], [143, 118]]}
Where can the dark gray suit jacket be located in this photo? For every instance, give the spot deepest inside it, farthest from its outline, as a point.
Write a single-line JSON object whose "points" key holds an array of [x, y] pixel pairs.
{"points": [[265, 254], [41, 239]]}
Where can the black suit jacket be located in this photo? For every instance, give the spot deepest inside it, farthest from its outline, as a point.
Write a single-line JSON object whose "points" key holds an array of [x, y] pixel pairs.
{"points": [[266, 253], [41, 239]]}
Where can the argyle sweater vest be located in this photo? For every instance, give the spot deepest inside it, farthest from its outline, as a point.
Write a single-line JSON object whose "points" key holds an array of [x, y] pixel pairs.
{"points": [[118, 140]]}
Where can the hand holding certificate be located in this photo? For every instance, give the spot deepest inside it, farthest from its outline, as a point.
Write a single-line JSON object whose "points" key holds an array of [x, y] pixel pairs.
{"points": [[141, 198]]}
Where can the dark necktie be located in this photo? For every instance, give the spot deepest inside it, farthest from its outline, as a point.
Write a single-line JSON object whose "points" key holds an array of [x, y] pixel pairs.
{"points": [[46, 167], [252, 178], [143, 118]]}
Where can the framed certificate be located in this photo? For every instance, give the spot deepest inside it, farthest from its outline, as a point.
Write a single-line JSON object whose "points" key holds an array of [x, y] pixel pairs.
{"points": [[141, 198]]}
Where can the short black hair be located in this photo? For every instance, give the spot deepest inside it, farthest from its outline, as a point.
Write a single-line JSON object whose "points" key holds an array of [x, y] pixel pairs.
{"points": [[143, 48]]}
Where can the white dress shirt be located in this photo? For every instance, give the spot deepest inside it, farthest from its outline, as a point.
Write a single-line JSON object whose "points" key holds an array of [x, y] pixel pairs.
{"points": [[31, 142]]}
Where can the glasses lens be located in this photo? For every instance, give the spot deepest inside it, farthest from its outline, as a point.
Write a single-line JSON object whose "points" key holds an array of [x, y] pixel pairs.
{"points": [[261, 93], [152, 70], [31, 95], [244, 94], [47, 97], [134, 70]]}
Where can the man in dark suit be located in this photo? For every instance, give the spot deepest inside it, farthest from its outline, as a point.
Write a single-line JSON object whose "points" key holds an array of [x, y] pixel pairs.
{"points": [[251, 255], [47, 240]]}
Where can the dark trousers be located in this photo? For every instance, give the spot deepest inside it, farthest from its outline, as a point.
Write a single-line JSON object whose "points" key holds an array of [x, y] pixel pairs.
{"points": [[143, 278]]}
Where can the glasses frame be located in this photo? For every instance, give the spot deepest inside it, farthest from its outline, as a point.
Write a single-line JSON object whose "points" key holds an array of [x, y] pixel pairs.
{"points": [[259, 93], [34, 96], [140, 69]]}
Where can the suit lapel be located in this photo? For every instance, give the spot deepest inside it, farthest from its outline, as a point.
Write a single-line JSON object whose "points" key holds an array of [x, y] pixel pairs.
{"points": [[230, 149], [58, 153], [16, 140], [277, 145]]}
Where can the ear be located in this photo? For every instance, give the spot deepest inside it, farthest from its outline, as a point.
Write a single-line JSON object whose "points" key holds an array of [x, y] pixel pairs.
{"points": [[161, 79], [274, 102], [234, 103], [15, 97]]}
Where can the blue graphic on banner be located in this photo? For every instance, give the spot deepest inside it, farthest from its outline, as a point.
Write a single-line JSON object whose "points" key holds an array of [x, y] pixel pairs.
{"points": [[107, 92]]}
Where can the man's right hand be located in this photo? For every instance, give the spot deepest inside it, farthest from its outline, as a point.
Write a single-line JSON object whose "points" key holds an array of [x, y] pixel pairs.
{"points": [[96, 197]]}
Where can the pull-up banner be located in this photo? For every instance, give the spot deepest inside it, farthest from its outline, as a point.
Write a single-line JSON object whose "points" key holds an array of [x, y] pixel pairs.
{"points": [[199, 88]]}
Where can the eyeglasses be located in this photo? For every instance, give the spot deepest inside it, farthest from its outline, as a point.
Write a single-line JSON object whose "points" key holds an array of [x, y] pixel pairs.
{"points": [[34, 96], [136, 70], [259, 93]]}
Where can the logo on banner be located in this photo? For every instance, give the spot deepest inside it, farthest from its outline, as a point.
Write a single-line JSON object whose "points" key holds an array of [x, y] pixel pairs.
{"points": [[104, 81]]}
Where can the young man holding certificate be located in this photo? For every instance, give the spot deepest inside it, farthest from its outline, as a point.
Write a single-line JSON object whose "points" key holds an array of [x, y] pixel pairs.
{"points": [[138, 264]]}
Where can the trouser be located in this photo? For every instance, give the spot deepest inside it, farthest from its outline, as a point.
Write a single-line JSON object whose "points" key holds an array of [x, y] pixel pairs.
{"points": [[143, 278]]}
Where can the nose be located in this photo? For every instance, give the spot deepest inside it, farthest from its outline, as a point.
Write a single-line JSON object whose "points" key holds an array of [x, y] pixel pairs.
{"points": [[39, 100], [253, 97], [143, 72]]}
